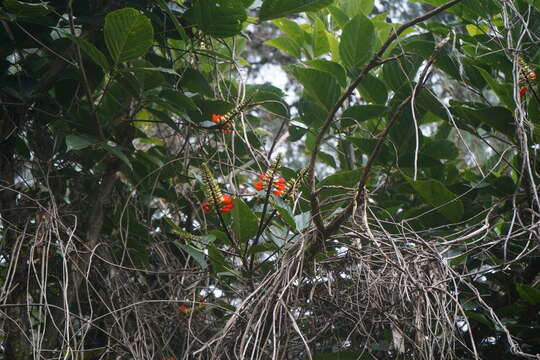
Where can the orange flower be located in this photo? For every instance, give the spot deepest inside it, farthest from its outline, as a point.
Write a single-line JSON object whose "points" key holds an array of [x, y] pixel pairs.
{"points": [[225, 206], [216, 118], [226, 203], [532, 75], [279, 185], [523, 90], [206, 207], [259, 185], [183, 309]]}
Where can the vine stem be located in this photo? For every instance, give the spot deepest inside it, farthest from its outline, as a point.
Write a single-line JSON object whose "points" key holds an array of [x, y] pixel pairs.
{"points": [[374, 62]]}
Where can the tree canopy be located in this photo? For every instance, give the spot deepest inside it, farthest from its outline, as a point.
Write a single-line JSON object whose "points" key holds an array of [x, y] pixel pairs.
{"points": [[157, 204]]}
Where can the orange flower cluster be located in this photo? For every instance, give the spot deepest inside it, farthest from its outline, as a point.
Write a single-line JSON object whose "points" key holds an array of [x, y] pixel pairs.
{"points": [[226, 205], [526, 77], [183, 309], [279, 184], [219, 119]]}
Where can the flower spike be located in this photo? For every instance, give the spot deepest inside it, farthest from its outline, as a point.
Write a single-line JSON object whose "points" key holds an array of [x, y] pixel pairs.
{"points": [[216, 198]]}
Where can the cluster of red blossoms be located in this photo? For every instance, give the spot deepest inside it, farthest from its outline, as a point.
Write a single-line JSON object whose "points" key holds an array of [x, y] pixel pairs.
{"points": [[226, 205], [526, 77], [278, 184], [218, 119]]}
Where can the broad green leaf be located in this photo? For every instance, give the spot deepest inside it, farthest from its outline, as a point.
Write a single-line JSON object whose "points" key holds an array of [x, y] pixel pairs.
{"points": [[194, 81], [362, 113], [503, 91], [373, 90], [296, 132], [94, 53], [319, 40], [196, 254], [355, 7], [245, 223], [529, 293], [179, 28], [286, 45], [330, 67], [285, 213], [117, 151], [20, 8], [128, 34], [75, 142], [400, 72], [302, 220], [291, 29], [427, 101], [345, 178], [270, 97], [178, 100], [358, 43], [311, 114], [218, 18], [319, 85], [441, 149], [217, 260], [438, 195], [481, 318], [367, 145], [272, 9], [338, 15]]}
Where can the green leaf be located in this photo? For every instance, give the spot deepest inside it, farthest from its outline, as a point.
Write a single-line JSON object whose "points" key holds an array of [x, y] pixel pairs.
{"points": [[178, 100], [272, 9], [438, 195], [94, 53], [179, 28], [441, 149], [286, 45], [290, 28], [338, 15], [196, 254], [296, 132], [218, 18], [367, 145], [355, 7], [503, 91], [270, 97], [219, 264], [194, 81], [116, 151], [373, 90], [528, 293], [346, 178], [75, 142], [358, 43], [245, 222], [302, 220], [20, 8], [128, 34], [319, 85], [330, 67], [285, 213], [362, 113], [319, 39]]}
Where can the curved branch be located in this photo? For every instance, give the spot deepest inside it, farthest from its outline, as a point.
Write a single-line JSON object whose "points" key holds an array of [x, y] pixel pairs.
{"points": [[374, 62]]}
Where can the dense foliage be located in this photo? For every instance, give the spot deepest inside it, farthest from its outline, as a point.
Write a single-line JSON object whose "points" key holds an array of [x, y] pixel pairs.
{"points": [[156, 205]]}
